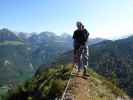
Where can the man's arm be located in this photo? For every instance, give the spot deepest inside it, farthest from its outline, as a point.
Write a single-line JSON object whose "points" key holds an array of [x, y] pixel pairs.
{"points": [[87, 34], [74, 35]]}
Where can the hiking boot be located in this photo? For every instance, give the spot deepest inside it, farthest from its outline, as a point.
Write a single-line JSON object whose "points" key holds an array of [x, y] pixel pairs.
{"points": [[79, 71], [85, 73]]}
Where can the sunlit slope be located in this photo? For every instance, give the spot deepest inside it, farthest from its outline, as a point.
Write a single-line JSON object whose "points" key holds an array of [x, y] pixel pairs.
{"points": [[51, 82]]}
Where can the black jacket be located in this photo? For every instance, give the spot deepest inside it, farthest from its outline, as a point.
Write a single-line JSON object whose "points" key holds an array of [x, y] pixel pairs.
{"points": [[80, 36]]}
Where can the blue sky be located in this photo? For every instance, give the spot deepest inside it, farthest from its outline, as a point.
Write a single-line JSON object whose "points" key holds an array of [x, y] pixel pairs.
{"points": [[102, 18]]}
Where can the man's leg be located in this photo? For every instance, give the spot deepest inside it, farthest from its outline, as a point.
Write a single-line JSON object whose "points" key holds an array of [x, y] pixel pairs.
{"points": [[85, 58], [75, 57], [79, 60]]}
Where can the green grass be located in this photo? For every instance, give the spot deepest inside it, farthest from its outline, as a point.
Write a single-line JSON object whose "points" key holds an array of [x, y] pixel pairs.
{"points": [[51, 88], [3, 92], [113, 87], [50, 82], [11, 43]]}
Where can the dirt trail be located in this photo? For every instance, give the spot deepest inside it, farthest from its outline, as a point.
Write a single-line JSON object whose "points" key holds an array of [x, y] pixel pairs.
{"points": [[80, 89], [87, 88]]}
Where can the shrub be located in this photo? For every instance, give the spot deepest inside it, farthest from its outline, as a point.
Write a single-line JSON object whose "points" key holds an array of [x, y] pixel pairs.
{"points": [[57, 88]]}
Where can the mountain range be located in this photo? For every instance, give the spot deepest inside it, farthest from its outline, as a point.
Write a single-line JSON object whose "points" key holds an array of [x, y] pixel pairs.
{"points": [[21, 53]]}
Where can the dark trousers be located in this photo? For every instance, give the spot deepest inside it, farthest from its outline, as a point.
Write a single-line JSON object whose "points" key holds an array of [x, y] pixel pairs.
{"points": [[81, 55]]}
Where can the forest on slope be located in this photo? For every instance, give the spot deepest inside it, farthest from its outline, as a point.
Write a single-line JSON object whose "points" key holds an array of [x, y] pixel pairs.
{"points": [[112, 59]]}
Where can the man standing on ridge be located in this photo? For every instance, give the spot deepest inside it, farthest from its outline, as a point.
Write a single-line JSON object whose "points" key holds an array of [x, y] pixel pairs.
{"points": [[81, 54]]}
